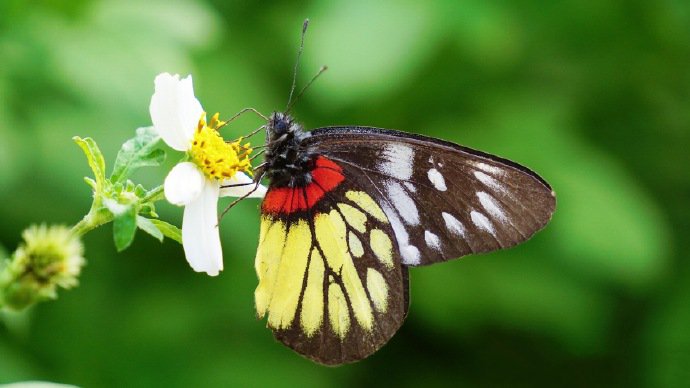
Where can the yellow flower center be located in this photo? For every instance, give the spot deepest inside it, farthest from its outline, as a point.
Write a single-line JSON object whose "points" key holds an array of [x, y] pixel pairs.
{"points": [[215, 157]]}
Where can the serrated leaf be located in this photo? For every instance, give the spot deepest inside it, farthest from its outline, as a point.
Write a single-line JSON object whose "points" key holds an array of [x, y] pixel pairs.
{"points": [[170, 231], [149, 227], [124, 228], [139, 151], [94, 156]]}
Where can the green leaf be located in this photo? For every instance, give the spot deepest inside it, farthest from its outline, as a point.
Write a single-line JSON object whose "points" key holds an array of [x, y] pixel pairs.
{"points": [[94, 157], [124, 228], [170, 231], [139, 151], [149, 227]]}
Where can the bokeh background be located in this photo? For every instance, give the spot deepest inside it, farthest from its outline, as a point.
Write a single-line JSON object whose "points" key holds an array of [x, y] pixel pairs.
{"points": [[594, 95]]}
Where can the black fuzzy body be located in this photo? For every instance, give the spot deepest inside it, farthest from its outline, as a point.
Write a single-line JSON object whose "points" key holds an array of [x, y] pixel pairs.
{"points": [[287, 164]]}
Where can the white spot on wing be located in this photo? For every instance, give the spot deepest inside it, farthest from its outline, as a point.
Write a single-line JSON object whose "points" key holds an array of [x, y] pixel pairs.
{"points": [[409, 253], [402, 202], [489, 181], [482, 222], [432, 240], [453, 225], [489, 168], [489, 203], [437, 179], [396, 161], [410, 186]]}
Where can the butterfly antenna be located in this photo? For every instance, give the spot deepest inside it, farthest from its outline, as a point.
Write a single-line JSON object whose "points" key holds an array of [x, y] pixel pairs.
{"points": [[304, 89], [299, 54]]}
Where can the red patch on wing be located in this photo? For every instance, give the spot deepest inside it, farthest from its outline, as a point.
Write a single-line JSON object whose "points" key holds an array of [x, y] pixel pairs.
{"points": [[326, 176]]}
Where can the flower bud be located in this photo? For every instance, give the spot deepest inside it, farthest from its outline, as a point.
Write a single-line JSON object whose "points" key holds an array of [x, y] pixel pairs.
{"points": [[49, 257]]}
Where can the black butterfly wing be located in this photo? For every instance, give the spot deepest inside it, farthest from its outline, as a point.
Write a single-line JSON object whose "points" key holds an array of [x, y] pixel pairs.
{"points": [[443, 200]]}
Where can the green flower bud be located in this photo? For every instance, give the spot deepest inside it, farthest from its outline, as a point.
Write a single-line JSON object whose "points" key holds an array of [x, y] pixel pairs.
{"points": [[49, 257]]}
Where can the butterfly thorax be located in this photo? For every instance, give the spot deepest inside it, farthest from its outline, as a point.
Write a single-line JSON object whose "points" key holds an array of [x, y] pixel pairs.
{"points": [[286, 162]]}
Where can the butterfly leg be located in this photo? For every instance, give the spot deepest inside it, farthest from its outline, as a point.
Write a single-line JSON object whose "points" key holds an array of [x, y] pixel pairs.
{"points": [[243, 111], [252, 133], [257, 155], [256, 184]]}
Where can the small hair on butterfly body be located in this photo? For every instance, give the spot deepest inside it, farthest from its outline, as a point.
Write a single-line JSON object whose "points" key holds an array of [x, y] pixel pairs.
{"points": [[350, 208]]}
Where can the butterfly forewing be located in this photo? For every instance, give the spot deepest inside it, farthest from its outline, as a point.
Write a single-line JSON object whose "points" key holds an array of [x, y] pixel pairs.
{"points": [[443, 201], [330, 275]]}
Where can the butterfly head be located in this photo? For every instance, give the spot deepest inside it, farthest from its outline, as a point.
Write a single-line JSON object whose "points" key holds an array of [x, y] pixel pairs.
{"points": [[280, 124]]}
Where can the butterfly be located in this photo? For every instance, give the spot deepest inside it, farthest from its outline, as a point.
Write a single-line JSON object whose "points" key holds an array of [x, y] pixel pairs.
{"points": [[349, 209]]}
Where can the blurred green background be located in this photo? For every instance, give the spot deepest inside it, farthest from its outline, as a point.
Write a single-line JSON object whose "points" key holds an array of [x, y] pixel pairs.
{"points": [[593, 95]]}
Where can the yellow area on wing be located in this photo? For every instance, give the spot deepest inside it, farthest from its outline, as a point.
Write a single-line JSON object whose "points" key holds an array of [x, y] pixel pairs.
{"points": [[382, 246], [356, 247], [338, 313], [354, 217], [331, 233], [267, 262], [288, 280], [378, 289], [312, 301], [364, 201]]}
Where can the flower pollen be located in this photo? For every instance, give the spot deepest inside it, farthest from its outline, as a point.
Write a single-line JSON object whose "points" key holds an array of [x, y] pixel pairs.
{"points": [[215, 157]]}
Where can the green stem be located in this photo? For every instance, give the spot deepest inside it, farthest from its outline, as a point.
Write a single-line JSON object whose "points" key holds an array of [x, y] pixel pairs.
{"points": [[98, 216], [91, 221], [156, 194]]}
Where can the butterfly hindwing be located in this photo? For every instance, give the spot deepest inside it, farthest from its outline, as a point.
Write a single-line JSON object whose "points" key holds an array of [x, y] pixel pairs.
{"points": [[330, 275], [443, 200]]}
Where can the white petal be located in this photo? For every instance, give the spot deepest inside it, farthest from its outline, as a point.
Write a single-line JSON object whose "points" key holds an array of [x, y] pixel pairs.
{"points": [[239, 191], [183, 184], [175, 112], [200, 237]]}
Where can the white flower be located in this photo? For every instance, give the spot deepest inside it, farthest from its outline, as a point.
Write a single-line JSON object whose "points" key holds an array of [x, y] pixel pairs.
{"points": [[195, 184]]}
